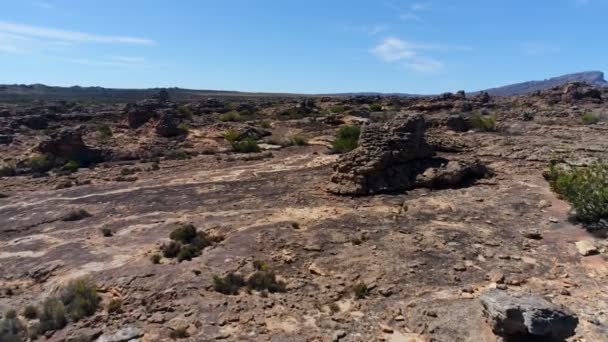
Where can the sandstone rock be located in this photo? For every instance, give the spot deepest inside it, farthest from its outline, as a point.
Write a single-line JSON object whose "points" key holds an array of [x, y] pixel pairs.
{"points": [[458, 123], [394, 157], [167, 125], [526, 315], [143, 111], [122, 335], [68, 145], [587, 247]]}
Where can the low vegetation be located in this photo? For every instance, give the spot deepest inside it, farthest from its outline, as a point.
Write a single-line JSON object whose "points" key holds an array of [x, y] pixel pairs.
{"points": [[483, 123], [586, 188], [114, 306], [231, 116], [590, 118], [107, 232], [376, 107], [346, 139], [104, 132], [76, 215], [262, 280], [187, 243], [11, 328], [71, 166], [247, 145], [361, 291], [40, 163], [7, 170]]}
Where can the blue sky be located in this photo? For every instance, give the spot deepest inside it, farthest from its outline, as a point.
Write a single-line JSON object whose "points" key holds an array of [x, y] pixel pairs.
{"points": [[310, 46]]}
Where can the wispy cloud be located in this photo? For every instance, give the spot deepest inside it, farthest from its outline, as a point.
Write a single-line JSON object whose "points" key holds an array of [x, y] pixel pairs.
{"points": [[395, 50], [370, 30], [114, 61], [539, 48], [43, 4], [413, 12], [69, 36]]}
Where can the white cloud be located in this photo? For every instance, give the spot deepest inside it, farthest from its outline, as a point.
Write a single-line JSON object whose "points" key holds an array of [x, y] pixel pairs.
{"points": [[413, 13], [68, 36], [112, 62], [395, 50], [370, 30], [43, 5]]}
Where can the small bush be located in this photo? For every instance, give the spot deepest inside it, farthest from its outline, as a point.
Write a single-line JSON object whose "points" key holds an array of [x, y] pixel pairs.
{"points": [[590, 118], [76, 215], [30, 312], [361, 291], [114, 306], [183, 233], [232, 136], [179, 333], [177, 155], [105, 132], [171, 249], [260, 265], [228, 285], [155, 258], [266, 124], [246, 146], [40, 163], [80, 299], [586, 188], [53, 315], [376, 107], [298, 140], [187, 252], [232, 115], [484, 123], [106, 232], [11, 328], [337, 109], [7, 171], [265, 280], [71, 166], [346, 139], [184, 111], [184, 126]]}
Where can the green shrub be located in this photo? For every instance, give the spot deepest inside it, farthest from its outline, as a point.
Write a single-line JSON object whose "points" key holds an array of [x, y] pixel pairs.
{"points": [[265, 280], [260, 265], [184, 233], [246, 146], [184, 111], [30, 312], [155, 258], [232, 136], [376, 107], [171, 249], [590, 118], [76, 215], [232, 115], [71, 166], [40, 163], [586, 188], [228, 285], [346, 139], [106, 232], [114, 306], [361, 291], [266, 124], [298, 140], [184, 126], [53, 315], [7, 171], [484, 123], [80, 299], [105, 132], [337, 109]]}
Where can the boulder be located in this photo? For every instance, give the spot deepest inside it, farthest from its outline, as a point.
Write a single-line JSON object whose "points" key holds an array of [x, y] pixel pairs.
{"points": [[68, 145], [32, 121], [168, 125], [122, 335], [458, 123], [141, 112], [523, 316]]}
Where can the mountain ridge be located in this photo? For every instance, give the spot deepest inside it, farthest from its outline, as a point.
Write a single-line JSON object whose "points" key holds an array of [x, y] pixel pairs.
{"points": [[16, 92]]}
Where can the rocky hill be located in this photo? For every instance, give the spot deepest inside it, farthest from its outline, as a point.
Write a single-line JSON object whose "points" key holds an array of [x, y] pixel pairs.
{"points": [[595, 78]]}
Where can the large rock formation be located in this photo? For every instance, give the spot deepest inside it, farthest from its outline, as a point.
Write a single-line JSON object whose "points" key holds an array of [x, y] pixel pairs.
{"points": [[68, 145], [394, 157], [141, 112], [527, 316]]}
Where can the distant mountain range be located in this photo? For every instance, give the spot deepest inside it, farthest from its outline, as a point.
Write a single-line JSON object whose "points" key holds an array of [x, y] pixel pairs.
{"points": [[20, 92]]}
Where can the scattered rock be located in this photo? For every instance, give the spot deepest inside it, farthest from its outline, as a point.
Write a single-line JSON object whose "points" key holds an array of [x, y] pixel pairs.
{"points": [[122, 335], [527, 315]]}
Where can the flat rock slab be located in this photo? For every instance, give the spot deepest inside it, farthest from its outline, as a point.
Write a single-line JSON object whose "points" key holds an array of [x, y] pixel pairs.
{"points": [[122, 335], [527, 315]]}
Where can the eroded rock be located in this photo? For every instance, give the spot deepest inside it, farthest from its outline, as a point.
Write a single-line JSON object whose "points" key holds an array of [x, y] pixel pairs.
{"points": [[527, 315]]}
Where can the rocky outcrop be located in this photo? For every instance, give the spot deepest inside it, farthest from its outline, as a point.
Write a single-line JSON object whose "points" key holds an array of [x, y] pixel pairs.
{"points": [[527, 316], [168, 125], [394, 157], [68, 145], [141, 112]]}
